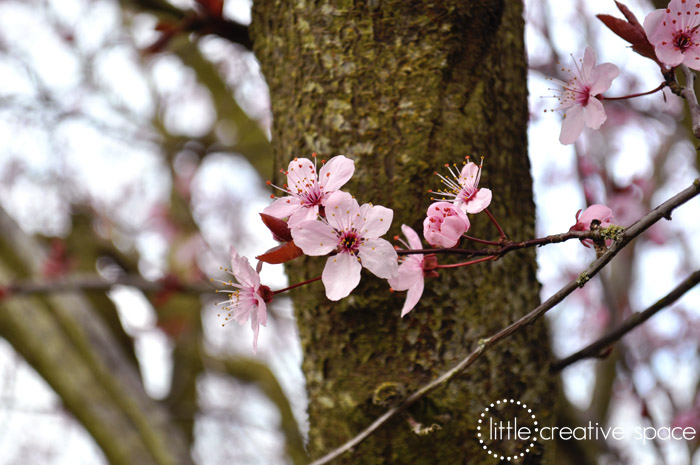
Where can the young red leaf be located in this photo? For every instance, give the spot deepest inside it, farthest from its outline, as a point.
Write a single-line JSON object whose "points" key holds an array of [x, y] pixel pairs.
{"points": [[631, 31], [281, 254], [214, 8], [628, 14], [279, 227]]}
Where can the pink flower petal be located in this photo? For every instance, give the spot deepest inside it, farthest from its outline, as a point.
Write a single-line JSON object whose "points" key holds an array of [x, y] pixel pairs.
{"points": [[379, 257], [334, 174], [375, 220], [468, 175], [413, 296], [594, 114], [572, 125], [283, 207], [589, 60], [479, 202], [602, 77], [410, 272], [315, 238], [692, 58], [340, 207], [303, 214], [301, 172], [653, 26], [341, 275], [242, 271], [412, 236], [668, 54]]}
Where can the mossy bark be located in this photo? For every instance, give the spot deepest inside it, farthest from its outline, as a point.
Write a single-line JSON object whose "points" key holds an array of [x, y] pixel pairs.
{"points": [[403, 87]]}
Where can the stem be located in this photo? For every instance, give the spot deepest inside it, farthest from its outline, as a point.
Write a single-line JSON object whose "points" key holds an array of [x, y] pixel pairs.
{"points": [[480, 241], [471, 262], [289, 288], [498, 226], [625, 97]]}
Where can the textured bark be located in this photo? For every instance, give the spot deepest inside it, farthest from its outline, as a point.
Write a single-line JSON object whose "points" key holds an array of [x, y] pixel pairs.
{"points": [[403, 87]]}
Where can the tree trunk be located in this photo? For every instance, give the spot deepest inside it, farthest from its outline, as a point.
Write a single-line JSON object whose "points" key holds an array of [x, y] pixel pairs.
{"points": [[403, 87]]}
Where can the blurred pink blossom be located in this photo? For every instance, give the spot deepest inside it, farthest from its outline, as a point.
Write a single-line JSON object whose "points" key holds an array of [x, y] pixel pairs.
{"points": [[674, 33], [249, 299], [580, 96]]}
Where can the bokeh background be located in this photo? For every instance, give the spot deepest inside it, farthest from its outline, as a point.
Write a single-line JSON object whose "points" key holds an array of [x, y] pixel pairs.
{"points": [[130, 141]]}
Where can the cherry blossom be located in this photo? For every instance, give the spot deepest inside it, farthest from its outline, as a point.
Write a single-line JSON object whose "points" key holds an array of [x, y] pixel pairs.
{"points": [[410, 276], [580, 96], [444, 224], [353, 232], [463, 188], [248, 300], [307, 192], [584, 219], [674, 33]]}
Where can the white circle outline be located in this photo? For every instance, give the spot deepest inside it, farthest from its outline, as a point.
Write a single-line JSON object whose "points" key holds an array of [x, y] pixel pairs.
{"points": [[496, 455]]}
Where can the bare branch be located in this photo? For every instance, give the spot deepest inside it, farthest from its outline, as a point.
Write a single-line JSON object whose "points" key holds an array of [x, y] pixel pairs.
{"points": [[595, 348], [662, 211], [91, 282], [688, 94]]}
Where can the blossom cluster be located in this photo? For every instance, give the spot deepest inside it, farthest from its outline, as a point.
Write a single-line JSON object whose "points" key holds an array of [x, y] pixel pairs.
{"points": [[316, 218], [670, 36]]}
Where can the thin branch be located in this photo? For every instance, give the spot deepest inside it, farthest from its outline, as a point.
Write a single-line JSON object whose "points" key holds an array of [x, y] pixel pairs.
{"points": [[662, 211], [87, 283], [688, 93], [509, 246], [594, 349]]}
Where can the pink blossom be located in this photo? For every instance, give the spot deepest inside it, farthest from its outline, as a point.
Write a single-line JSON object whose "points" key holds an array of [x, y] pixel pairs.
{"points": [[410, 276], [580, 96], [674, 33], [307, 192], [353, 233], [601, 213], [444, 225], [463, 189], [249, 299]]}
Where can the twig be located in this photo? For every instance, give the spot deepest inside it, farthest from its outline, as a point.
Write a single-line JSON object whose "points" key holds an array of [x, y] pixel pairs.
{"points": [[91, 282], [508, 246], [595, 348], [688, 93], [662, 211]]}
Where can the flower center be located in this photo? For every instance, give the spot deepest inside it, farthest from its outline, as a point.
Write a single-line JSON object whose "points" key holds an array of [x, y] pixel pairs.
{"points": [[682, 41], [312, 195], [350, 242]]}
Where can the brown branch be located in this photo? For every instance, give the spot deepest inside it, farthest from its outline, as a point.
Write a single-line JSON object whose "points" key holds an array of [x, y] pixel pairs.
{"points": [[508, 246], [662, 211], [688, 93], [94, 283], [595, 348]]}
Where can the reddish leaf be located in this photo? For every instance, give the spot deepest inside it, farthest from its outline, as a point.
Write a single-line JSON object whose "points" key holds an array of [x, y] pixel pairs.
{"points": [[279, 228], [632, 32], [214, 8], [628, 14], [281, 254]]}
